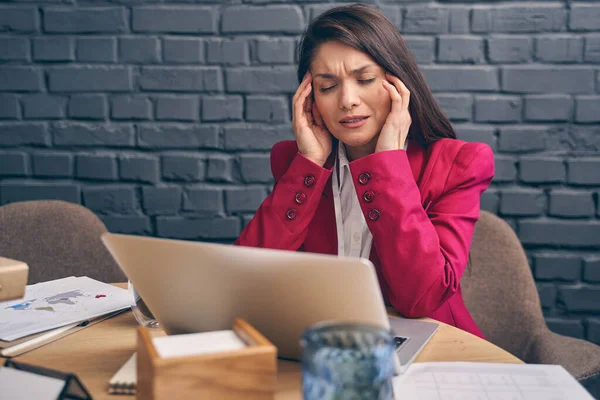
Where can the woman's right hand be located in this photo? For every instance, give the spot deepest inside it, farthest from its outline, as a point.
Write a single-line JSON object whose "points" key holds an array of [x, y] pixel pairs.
{"points": [[313, 138]]}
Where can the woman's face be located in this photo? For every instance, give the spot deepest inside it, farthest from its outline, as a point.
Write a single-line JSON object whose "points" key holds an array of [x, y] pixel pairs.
{"points": [[347, 83]]}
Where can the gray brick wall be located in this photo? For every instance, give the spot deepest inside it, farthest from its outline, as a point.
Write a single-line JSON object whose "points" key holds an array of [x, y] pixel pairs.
{"points": [[159, 116]]}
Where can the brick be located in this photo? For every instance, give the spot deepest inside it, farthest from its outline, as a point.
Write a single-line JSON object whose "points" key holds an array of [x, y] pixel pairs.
{"points": [[9, 106], [43, 106], [139, 168], [571, 204], [198, 228], [267, 19], [251, 137], [509, 49], [180, 79], [565, 327], [428, 19], [593, 330], [14, 48], [497, 108], [220, 169], [560, 233], [534, 79], [87, 134], [560, 267], [90, 79], [24, 134], [460, 20], [261, 80], [96, 167], [576, 299], [584, 171], [522, 202], [55, 165], [174, 19], [591, 269], [13, 164], [457, 49], [20, 79], [222, 108], [53, 49], [110, 199], [127, 224], [203, 200], [584, 138], [227, 52], [85, 20], [18, 19], [461, 78], [181, 167], [458, 107], [547, 293], [520, 18], [139, 50], [422, 48], [393, 13], [562, 49], [274, 51], [87, 106], [130, 107], [522, 138], [476, 133], [584, 17], [245, 199], [183, 51], [592, 49], [505, 169], [267, 109], [97, 49], [256, 168], [246, 220], [542, 170], [177, 108], [548, 107], [161, 200], [172, 136], [489, 201], [587, 109], [14, 192]]}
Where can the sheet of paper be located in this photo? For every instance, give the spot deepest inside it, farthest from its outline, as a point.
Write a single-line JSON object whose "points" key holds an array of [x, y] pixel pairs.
{"points": [[487, 381], [22, 385], [57, 303], [197, 343]]}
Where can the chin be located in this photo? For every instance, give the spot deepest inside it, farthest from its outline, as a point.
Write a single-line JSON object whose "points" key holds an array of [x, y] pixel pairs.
{"points": [[356, 139]]}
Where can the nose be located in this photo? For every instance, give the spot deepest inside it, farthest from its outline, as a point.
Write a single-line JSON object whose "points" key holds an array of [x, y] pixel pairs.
{"points": [[349, 98]]}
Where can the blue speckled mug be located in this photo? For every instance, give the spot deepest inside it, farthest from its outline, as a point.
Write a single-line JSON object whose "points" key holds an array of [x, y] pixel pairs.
{"points": [[347, 361]]}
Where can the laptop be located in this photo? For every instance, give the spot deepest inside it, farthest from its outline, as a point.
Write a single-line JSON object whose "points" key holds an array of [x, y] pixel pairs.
{"points": [[196, 286]]}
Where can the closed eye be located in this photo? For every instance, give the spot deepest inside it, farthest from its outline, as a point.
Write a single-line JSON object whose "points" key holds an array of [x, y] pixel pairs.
{"points": [[361, 81]]}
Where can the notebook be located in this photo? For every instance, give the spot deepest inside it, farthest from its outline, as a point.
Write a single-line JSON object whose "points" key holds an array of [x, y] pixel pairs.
{"points": [[124, 381]]}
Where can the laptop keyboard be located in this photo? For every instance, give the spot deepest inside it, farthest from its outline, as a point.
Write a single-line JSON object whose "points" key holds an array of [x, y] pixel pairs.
{"points": [[399, 341]]}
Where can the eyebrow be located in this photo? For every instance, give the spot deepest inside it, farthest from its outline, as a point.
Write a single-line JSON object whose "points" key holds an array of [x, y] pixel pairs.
{"points": [[354, 71]]}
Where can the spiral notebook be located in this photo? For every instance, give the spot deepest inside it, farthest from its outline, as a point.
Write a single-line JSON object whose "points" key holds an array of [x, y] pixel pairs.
{"points": [[124, 381]]}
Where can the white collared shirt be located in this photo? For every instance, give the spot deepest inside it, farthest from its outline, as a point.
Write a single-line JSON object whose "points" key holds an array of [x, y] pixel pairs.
{"points": [[354, 237]]}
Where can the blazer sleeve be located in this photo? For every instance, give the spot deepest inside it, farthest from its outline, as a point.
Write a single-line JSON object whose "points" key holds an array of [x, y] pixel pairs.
{"points": [[423, 253], [282, 220]]}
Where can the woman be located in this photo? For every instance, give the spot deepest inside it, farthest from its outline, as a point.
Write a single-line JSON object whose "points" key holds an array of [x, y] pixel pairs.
{"points": [[376, 170]]}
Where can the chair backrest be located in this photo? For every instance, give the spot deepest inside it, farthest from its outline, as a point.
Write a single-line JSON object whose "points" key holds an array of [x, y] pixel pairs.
{"points": [[56, 239], [498, 287]]}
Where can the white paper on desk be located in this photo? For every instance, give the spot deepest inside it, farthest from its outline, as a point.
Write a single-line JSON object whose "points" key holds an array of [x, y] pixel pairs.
{"points": [[23, 385], [197, 343], [487, 381], [57, 303]]}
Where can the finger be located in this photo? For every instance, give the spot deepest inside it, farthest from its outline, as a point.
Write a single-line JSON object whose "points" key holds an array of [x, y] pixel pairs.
{"points": [[317, 115], [299, 104], [393, 91], [400, 87], [305, 81]]}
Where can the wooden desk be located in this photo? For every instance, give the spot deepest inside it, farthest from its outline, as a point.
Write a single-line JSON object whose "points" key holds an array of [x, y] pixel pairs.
{"points": [[97, 352]]}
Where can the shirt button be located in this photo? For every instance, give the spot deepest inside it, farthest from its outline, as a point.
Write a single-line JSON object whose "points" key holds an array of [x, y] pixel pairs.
{"points": [[300, 198], [374, 215], [291, 214], [364, 178], [309, 180], [368, 196]]}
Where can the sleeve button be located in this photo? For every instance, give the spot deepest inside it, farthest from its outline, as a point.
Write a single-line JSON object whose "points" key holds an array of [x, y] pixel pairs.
{"points": [[363, 178], [291, 214], [374, 215], [300, 197], [368, 196], [309, 180]]}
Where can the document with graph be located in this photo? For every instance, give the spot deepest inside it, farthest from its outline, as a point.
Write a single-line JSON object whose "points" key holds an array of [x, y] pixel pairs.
{"points": [[487, 381]]}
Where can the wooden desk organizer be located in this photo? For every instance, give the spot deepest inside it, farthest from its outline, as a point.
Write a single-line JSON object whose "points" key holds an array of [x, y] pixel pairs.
{"points": [[249, 373]]}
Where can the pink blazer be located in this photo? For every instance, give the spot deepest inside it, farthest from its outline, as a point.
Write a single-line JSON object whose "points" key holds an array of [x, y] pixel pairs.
{"points": [[421, 206]]}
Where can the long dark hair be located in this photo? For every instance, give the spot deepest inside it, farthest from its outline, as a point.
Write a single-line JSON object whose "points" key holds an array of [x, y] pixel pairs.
{"points": [[366, 29]]}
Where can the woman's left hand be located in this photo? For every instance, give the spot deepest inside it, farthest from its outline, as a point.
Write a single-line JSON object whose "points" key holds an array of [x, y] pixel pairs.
{"points": [[395, 129]]}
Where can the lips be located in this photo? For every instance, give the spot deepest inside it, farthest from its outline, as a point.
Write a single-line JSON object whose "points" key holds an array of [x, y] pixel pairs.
{"points": [[353, 119]]}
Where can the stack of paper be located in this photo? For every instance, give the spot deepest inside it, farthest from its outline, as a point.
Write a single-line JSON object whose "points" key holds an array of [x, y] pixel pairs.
{"points": [[52, 308]]}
